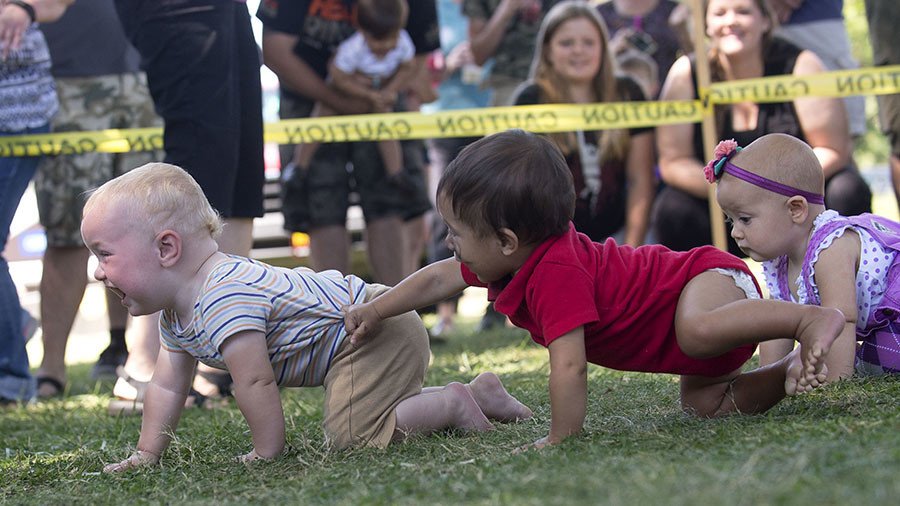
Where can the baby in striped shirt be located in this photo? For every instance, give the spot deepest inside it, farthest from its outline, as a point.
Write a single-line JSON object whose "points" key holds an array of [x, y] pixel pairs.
{"points": [[153, 233]]}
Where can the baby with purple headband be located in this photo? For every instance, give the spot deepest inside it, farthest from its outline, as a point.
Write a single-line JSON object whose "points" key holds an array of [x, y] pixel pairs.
{"points": [[772, 193]]}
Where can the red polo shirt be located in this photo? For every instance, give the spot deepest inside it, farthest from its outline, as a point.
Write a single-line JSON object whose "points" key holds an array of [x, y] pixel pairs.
{"points": [[624, 297]]}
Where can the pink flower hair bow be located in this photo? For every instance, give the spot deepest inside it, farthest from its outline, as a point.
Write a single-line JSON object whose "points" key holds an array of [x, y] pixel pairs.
{"points": [[724, 150]]}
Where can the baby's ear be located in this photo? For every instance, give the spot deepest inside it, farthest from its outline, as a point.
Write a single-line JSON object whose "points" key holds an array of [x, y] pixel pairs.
{"points": [[799, 209], [509, 241], [168, 245]]}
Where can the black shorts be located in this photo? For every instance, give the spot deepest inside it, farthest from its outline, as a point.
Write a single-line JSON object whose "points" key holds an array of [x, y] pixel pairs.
{"points": [[339, 170], [202, 66]]}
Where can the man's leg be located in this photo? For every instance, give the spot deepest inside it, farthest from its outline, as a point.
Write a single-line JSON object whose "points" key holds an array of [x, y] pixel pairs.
{"points": [[385, 245], [329, 248], [63, 280]]}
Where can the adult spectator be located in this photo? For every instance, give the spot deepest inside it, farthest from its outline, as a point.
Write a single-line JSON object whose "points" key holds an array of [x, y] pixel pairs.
{"points": [[818, 25], [505, 31], [885, 39], [99, 86], [299, 37], [202, 65], [742, 47], [643, 25], [27, 102], [612, 169]]}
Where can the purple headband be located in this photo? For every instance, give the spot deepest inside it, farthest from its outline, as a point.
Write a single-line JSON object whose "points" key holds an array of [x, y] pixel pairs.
{"points": [[722, 163]]}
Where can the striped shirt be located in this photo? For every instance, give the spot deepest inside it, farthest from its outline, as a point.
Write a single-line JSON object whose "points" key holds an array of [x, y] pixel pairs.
{"points": [[298, 310]]}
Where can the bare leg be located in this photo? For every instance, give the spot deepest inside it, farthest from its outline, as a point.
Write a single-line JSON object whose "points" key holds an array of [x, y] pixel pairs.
{"points": [[63, 281], [774, 350], [495, 402], [391, 155], [237, 236], [304, 153], [416, 236], [755, 391], [329, 248], [452, 406], [713, 317], [384, 239], [493, 399]]}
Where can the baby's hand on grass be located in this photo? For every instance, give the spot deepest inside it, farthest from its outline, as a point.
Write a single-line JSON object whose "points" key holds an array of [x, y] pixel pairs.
{"points": [[137, 459], [252, 457], [537, 445]]}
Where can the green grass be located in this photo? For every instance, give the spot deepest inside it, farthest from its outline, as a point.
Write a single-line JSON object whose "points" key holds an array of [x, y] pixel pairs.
{"points": [[839, 445]]}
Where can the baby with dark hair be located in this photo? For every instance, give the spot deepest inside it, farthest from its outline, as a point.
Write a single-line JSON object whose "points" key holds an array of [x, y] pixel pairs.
{"points": [[508, 200]]}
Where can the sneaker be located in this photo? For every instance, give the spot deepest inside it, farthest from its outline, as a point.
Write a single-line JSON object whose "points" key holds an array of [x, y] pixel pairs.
{"points": [[110, 359]]}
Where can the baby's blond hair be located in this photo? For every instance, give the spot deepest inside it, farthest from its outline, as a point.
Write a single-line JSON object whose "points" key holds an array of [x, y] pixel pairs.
{"points": [[161, 195], [785, 159]]}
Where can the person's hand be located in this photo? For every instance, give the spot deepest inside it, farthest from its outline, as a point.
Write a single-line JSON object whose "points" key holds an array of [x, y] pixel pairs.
{"points": [[619, 42], [460, 55], [14, 20], [384, 100], [784, 8], [359, 320], [137, 459], [537, 445], [252, 457]]}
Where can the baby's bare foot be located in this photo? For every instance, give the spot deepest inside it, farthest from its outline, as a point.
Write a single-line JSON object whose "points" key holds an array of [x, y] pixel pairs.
{"points": [[495, 401], [796, 381], [818, 330], [793, 373], [468, 414]]}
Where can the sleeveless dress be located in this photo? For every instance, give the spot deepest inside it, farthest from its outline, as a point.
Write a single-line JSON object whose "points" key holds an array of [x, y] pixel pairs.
{"points": [[877, 285]]}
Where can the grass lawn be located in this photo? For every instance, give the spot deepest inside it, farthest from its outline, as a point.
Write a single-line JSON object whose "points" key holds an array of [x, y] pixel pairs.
{"points": [[838, 445]]}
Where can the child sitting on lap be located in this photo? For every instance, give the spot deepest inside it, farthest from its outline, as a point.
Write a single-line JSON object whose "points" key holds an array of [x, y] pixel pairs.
{"points": [[153, 233], [772, 192], [373, 65], [508, 201]]}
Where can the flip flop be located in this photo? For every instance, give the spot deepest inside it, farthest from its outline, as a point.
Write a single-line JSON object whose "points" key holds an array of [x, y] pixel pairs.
{"points": [[58, 386]]}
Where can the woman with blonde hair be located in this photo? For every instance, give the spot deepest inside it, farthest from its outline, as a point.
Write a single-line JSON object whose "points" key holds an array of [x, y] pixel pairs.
{"points": [[612, 169]]}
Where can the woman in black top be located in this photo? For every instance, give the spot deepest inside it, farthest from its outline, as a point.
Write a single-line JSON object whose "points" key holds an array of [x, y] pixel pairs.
{"points": [[742, 47], [612, 169]]}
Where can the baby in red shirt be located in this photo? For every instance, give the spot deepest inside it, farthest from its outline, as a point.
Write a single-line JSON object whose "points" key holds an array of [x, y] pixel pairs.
{"points": [[508, 201]]}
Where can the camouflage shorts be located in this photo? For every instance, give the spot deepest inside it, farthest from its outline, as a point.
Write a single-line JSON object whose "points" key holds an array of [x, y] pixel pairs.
{"points": [[90, 103]]}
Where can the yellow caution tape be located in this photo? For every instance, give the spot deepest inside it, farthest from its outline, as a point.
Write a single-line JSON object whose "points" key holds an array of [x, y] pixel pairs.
{"points": [[543, 118]]}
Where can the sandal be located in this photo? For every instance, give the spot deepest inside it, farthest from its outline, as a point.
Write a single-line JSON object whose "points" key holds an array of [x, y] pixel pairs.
{"points": [[124, 406], [58, 386], [127, 403]]}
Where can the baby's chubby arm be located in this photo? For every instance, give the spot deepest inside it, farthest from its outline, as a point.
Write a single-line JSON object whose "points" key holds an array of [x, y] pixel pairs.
{"points": [[836, 279], [429, 285], [568, 388], [163, 404], [256, 392]]}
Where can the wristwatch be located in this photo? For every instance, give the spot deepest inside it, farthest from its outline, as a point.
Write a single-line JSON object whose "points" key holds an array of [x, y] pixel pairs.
{"points": [[29, 9]]}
